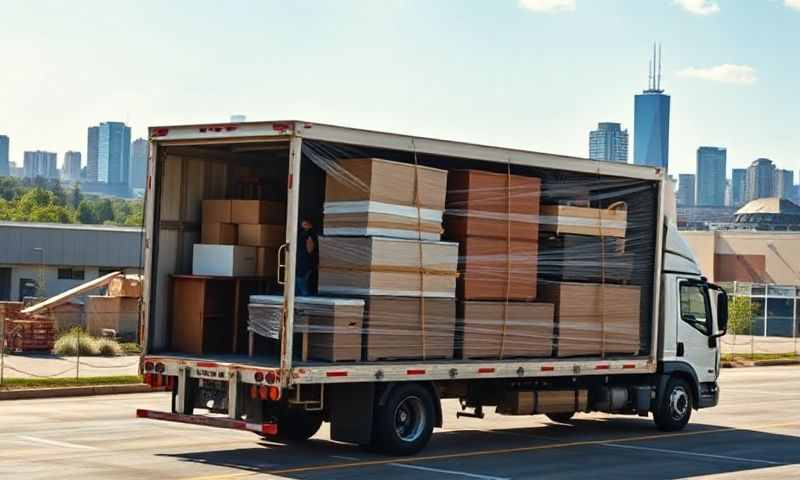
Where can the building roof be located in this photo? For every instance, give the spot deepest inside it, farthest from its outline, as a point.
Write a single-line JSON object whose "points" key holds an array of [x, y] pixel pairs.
{"points": [[769, 205], [57, 244]]}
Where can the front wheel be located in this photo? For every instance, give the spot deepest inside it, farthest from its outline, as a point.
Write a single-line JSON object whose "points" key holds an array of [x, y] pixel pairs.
{"points": [[676, 406], [404, 424]]}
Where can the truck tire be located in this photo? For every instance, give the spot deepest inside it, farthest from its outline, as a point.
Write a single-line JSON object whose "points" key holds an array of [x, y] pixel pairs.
{"points": [[297, 425], [404, 424], [564, 417], [675, 409]]}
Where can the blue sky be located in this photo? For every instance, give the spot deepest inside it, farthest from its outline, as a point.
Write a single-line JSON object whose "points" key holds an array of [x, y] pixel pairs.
{"points": [[535, 74]]}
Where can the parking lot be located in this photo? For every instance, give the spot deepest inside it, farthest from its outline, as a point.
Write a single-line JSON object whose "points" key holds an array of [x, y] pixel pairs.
{"points": [[754, 433]]}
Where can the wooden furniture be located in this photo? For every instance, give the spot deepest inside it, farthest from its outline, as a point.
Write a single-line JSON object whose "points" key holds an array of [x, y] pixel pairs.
{"points": [[209, 313]]}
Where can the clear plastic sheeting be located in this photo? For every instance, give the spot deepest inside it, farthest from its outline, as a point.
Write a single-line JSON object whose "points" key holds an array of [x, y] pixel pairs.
{"points": [[461, 259]]}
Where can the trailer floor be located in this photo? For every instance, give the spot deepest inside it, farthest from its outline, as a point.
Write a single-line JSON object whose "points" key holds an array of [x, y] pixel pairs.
{"points": [[753, 433]]}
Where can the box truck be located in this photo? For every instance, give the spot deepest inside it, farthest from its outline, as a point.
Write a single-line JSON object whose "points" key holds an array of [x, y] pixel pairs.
{"points": [[543, 284]]}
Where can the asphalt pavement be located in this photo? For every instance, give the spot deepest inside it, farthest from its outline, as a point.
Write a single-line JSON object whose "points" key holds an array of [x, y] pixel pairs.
{"points": [[753, 433]]}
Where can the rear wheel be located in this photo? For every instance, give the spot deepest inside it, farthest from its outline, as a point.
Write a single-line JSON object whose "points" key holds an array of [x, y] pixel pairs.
{"points": [[564, 417], [297, 425], [404, 425], [676, 406]]}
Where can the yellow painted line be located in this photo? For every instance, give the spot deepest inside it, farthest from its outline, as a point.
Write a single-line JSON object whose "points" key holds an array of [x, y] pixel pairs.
{"points": [[479, 453]]}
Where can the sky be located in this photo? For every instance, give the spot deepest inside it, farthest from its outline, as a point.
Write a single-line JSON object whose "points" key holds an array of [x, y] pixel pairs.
{"points": [[532, 74]]}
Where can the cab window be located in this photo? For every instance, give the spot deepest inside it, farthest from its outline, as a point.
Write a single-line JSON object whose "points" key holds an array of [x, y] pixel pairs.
{"points": [[694, 306]]}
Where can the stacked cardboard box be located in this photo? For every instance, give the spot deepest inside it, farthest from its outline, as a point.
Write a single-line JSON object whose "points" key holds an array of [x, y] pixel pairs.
{"points": [[375, 197], [584, 258], [505, 329]]}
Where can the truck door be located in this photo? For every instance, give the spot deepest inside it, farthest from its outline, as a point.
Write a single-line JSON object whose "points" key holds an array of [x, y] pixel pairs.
{"points": [[695, 329]]}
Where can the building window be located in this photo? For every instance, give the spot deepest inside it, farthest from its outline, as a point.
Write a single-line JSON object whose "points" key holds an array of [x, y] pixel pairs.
{"points": [[71, 274]]}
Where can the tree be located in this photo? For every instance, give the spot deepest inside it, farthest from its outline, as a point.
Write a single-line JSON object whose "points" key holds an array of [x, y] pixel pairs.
{"points": [[59, 195], [85, 213], [30, 201], [740, 315], [103, 211], [50, 214], [75, 196]]}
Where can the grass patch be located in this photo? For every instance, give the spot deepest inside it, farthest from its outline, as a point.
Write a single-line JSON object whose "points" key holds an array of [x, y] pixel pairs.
{"points": [[131, 348], [21, 383], [75, 341], [728, 357]]}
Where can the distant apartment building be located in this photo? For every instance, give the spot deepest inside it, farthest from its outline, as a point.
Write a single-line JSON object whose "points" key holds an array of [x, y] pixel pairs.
{"points": [[72, 166], [113, 152], [711, 176], [40, 164], [760, 179], [738, 186], [686, 186], [609, 142], [92, 139], [784, 184], [139, 152], [5, 168]]}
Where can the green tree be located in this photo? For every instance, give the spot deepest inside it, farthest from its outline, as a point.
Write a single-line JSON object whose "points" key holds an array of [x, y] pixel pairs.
{"points": [[30, 201], [59, 195], [75, 196], [50, 214], [103, 210], [740, 315], [85, 213]]}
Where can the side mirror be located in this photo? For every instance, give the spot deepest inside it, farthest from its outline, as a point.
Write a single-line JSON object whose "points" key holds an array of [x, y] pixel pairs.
{"points": [[722, 312]]}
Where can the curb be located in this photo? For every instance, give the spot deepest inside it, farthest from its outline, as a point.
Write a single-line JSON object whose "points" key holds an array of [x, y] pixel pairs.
{"points": [[89, 390], [760, 363]]}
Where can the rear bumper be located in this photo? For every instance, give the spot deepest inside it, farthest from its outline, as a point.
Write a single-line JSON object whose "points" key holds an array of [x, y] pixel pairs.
{"points": [[218, 422]]}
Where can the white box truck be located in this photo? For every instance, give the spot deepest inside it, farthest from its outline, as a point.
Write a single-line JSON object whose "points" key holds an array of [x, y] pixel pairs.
{"points": [[394, 405]]}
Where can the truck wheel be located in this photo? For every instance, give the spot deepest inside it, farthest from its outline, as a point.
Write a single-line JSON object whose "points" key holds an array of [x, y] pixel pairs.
{"points": [[296, 425], [404, 425], [564, 417], [676, 406]]}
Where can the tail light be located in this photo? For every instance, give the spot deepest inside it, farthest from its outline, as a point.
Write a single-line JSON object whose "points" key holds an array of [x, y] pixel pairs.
{"points": [[259, 376], [262, 392], [253, 392], [148, 366], [274, 393], [271, 377], [160, 367]]}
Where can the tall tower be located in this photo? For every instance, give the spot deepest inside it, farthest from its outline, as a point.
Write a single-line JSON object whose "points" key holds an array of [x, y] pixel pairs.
{"points": [[651, 119], [609, 142], [711, 168], [4, 165]]}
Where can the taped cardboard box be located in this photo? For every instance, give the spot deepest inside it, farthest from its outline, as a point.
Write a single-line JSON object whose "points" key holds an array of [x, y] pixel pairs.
{"points": [[126, 286], [384, 181], [409, 328], [593, 319], [219, 233], [584, 258], [216, 211], [258, 212], [332, 326], [385, 266], [255, 235], [490, 204], [117, 313], [495, 269], [505, 330], [607, 222]]}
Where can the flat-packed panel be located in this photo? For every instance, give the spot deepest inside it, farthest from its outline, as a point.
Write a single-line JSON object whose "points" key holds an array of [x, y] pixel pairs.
{"points": [[505, 330], [409, 328], [384, 266], [584, 258], [593, 319], [606, 222], [383, 220], [378, 180], [495, 269]]}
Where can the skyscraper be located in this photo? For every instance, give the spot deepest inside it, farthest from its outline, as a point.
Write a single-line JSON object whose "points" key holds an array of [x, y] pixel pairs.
{"points": [[93, 136], [738, 186], [40, 164], [784, 183], [5, 169], [609, 142], [139, 151], [108, 153], [711, 176], [71, 169], [651, 120], [760, 179], [686, 190]]}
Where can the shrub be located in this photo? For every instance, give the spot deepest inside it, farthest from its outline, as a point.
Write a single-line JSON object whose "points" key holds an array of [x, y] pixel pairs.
{"points": [[74, 341], [108, 347]]}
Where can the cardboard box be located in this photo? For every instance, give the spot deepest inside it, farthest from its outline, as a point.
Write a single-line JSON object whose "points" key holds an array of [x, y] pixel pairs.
{"points": [[385, 266], [562, 219], [505, 330], [333, 325], [384, 181], [118, 313], [216, 211], [258, 212], [262, 235], [490, 204], [224, 260], [266, 261], [593, 318], [584, 258], [409, 328], [495, 269], [219, 233], [381, 220], [126, 286]]}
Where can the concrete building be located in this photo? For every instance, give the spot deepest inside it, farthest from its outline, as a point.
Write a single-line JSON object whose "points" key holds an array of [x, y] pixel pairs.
{"points": [[686, 189], [760, 179], [113, 153], [784, 184], [651, 121], [609, 142], [63, 256], [5, 168], [738, 186], [72, 166], [92, 139], [711, 163], [139, 152], [40, 164]]}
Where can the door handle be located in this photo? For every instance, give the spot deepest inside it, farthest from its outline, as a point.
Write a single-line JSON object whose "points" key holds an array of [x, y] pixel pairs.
{"points": [[281, 273]]}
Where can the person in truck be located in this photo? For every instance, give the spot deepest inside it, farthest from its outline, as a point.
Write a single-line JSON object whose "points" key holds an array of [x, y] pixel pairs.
{"points": [[307, 259]]}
